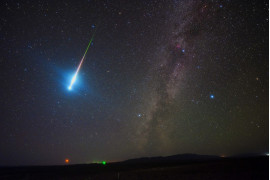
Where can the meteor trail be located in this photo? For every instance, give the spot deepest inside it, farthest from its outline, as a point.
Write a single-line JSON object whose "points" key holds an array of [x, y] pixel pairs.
{"points": [[79, 67]]}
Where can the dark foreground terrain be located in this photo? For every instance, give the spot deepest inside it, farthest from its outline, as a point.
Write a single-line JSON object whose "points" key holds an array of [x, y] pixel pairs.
{"points": [[219, 168]]}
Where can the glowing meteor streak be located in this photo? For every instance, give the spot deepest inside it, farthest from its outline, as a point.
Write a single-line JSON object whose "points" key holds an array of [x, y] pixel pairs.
{"points": [[79, 67]]}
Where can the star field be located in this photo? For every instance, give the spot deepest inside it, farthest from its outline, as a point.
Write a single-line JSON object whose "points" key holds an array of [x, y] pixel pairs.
{"points": [[160, 78]]}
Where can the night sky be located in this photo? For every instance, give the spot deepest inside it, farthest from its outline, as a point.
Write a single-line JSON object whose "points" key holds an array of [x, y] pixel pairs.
{"points": [[162, 77]]}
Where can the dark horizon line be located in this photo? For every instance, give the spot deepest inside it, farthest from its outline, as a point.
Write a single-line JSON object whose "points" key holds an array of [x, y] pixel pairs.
{"points": [[243, 155]]}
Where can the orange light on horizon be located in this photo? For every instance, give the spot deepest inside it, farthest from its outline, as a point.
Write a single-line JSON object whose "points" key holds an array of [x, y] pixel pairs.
{"points": [[67, 161]]}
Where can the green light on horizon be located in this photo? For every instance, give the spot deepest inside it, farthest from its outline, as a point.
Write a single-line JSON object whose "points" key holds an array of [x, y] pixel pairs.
{"points": [[104, 162]]}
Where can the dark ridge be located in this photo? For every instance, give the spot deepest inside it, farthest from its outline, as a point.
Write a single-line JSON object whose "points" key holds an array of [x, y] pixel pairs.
{"points": [[190, 166], [174, 158]]}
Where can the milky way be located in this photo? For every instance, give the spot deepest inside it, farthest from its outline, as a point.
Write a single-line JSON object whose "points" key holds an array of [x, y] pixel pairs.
{"points": [[191, 32]]}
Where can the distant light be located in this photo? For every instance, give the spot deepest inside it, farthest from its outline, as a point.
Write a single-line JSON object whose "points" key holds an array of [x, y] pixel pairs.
{"points": [[67, 161], [139, 115], [183, 50], [212, 96], [104, 162], [221, 6]]}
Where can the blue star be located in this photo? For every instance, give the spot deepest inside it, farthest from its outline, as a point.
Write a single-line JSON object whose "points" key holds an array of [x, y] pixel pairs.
{"points": [[139, 115], [93, 26], [221, 6], [183, 50], [212, 96]]}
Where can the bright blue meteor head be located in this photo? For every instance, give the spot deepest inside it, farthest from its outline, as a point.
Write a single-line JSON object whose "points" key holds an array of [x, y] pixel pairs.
{"points": [[72, 82]]}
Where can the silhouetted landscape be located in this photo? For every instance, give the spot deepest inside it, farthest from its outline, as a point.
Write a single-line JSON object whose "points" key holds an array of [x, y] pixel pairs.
{"points": [[185, 166]]}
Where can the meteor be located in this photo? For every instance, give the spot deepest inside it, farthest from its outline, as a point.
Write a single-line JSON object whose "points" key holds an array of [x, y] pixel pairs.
{"points": [[79, 67]]}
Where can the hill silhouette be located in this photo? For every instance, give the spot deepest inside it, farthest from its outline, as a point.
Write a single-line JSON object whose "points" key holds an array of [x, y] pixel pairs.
{"points": [[181, 166], [174, 158]]}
